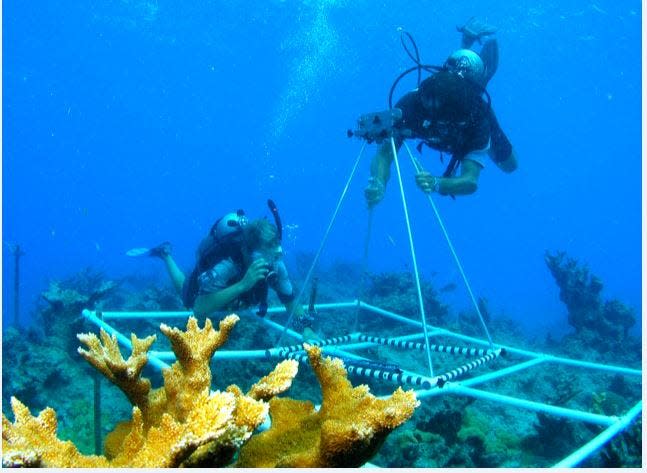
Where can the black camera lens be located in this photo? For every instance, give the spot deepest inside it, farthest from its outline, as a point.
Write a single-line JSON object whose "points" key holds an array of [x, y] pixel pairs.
{"points": [[271, 277]]}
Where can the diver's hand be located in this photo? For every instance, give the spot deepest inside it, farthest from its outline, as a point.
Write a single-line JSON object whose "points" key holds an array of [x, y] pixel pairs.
{"points": [[374, 191], [474, 30], [256, 272], [427, 183]]}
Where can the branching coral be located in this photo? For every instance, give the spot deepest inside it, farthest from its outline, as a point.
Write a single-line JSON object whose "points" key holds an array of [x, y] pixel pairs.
{"points": [[347, 430], [31, 441], [184, 423], [180, 422]]}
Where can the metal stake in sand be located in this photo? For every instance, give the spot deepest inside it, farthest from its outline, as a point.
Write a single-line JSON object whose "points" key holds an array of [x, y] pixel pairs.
{"points": [[17, 253], [97, 409]]}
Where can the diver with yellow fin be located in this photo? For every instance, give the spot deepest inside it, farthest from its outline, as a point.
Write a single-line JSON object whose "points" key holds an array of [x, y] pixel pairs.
{"points": [[236, 265]]}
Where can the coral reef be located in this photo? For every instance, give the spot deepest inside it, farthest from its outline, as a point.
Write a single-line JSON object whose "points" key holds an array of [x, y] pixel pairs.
{"points": [[455, 432], [184, 423], [39, 362], [347, 430], [61, 319], [506, 329], [397, 292], [623, 450], [24, 368], [39, 373], [554, 436], [446, 423], [602, 325], [40, 370], [70, 295]]}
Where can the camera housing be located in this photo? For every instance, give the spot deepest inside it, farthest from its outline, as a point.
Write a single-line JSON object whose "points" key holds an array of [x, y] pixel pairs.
{"points": [[380, 126]]}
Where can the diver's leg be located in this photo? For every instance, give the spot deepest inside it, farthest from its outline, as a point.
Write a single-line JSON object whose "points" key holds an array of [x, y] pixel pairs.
{"points": [[163, 251], [501, 150], [509, 164], [474, 30], [490, 57], [174, 272]]}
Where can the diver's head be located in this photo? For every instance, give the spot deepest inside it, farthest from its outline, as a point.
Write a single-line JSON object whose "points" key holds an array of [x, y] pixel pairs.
{"points": [[448, 97], [260, 240], [467, 64], [231, 223]]}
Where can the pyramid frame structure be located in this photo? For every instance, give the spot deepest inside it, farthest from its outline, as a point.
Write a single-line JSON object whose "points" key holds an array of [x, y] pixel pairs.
{"points": [[462, 380]]}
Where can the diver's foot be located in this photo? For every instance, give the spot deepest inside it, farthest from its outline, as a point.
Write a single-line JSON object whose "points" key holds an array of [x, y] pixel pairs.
{"points": [[475, 30], [160, 251]]}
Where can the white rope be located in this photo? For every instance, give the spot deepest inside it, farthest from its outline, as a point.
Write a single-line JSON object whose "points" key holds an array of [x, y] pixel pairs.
{"points": [[413, 257], [418, 168], [364, 269], [321, 246]]}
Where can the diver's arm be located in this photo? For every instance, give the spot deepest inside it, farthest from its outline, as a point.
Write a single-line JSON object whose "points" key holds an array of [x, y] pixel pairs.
{"points": [[465, 184], [208, 303], [381, 164]]}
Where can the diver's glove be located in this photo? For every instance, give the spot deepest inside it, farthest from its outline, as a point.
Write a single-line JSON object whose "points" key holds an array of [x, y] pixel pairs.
{"points": [[474, 30], [374, 191]]}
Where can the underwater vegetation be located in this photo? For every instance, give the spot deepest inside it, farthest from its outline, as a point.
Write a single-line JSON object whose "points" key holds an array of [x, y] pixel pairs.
{"points": [[41, 368]]}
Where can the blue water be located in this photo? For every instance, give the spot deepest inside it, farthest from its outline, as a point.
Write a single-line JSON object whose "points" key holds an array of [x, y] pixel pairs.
{"points": [[126, 123]]}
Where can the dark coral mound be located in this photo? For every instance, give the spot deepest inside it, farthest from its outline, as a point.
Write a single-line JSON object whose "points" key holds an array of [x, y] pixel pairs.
{"points": [[602, 325], [396, 291]]}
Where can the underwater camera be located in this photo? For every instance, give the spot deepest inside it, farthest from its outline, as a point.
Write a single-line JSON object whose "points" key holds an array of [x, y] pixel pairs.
{"points": [[272, 276], [379, 126]]}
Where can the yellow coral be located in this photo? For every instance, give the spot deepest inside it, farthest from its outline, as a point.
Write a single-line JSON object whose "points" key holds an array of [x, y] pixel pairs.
{"points": [[347, 430], [182, 423], [191, 374], [185, 424], [32, 440], [105, 356], [276, 382]]}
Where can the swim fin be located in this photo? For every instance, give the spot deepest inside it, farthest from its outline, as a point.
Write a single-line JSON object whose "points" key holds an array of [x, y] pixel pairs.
{"points": [[137, 252], [159, 251]]}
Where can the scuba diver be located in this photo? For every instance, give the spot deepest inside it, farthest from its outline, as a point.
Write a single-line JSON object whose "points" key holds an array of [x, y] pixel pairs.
{"points": [[449, 113], [236, 264]]}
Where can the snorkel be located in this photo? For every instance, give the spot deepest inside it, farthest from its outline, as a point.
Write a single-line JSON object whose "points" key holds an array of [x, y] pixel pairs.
{"points": [[277, 218]]}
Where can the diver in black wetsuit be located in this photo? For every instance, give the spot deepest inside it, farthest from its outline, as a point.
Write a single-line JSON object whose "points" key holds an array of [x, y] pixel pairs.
{"points": [[448, 113]]}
